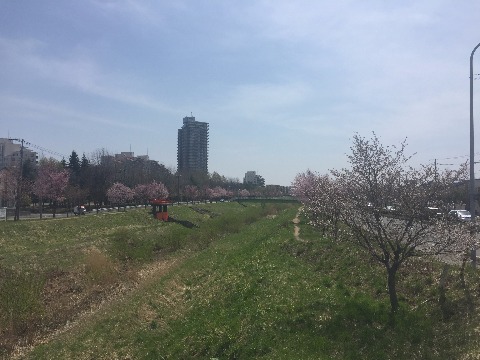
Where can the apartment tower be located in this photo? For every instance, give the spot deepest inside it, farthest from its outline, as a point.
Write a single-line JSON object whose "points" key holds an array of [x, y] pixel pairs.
{"points": [[192, 152]]}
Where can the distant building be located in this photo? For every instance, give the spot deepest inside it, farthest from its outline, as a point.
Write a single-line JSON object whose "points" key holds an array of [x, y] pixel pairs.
{"points": [[124, 155], [10, 154], [131, 170], [10, 160], [250, 178], [253, 179], [192, 151]]}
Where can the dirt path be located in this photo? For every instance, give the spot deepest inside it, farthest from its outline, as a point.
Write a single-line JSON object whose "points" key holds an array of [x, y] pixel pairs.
{"points": [[296, 228]]}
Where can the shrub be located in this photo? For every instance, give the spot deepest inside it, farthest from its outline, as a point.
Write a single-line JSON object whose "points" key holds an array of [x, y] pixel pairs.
{"points": [[129, 245], [99, 268]]}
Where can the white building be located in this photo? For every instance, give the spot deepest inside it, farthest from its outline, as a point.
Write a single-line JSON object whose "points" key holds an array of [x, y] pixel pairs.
{"points": [[10, 154]]}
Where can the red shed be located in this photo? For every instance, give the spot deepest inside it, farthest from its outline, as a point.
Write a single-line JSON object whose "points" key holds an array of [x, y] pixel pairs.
{"points": [[159, 208]]}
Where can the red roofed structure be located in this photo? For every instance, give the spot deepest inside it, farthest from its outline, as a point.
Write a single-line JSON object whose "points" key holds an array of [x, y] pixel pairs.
{"points": [[159, 208]]}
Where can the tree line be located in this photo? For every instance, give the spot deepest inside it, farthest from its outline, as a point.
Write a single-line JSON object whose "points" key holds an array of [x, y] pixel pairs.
{"points": [[104, 179]]}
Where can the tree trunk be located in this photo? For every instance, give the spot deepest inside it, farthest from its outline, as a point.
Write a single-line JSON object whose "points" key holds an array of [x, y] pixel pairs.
{"points": [[41, 207], [392, 289]]}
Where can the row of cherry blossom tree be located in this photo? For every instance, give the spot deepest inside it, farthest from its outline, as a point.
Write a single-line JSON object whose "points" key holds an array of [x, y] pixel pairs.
{"points": [[387, 207], [107, 180], [120, 194]]}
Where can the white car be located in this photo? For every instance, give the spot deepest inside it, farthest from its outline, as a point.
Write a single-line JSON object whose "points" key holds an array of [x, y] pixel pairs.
{"points": [[463, 215]]}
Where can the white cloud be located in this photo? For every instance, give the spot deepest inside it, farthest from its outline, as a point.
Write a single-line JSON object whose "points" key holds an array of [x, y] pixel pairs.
{"points": [[79, 72], [52, 114], [255, 101]]}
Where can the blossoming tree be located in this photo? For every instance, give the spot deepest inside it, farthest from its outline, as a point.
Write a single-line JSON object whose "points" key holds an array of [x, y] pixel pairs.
{"points": [[319, 195], [216, 193], [244, 193], [155, 190], [384, 204], [119, 194], [51, 182], [191, 192], [8, 185]]}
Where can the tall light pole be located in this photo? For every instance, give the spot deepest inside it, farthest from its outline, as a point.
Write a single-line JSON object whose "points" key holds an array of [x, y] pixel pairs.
{"points": [[178, 187], [472, 146]]}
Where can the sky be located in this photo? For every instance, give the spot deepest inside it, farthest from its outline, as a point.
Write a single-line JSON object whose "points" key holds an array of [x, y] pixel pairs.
{"points": [[284, 85]]}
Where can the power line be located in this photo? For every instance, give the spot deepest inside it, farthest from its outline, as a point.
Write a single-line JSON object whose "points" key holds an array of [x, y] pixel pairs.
{"points": [[43, 149], [455, 157]]}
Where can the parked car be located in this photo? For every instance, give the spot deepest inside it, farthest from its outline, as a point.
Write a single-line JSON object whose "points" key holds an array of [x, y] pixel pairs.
{"points": [[79, 210], [463, 215]]}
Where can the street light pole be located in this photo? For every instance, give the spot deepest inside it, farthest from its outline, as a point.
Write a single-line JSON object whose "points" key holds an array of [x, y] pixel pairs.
{"points": [[178, 187], [472, 146]]}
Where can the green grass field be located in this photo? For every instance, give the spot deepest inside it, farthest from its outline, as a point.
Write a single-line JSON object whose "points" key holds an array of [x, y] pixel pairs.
{"points": [[224, 281]]}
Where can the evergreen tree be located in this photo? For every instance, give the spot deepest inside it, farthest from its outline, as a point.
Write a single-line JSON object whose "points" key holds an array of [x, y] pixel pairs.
{"points": [[74, 166], [84, 172], [85, 163]]}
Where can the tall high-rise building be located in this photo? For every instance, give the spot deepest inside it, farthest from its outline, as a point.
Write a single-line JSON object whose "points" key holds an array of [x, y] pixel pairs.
{"points": [[192, 152]]}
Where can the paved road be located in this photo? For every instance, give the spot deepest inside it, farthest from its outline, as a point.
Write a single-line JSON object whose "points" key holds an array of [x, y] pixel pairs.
{"points": [[35, 216]]}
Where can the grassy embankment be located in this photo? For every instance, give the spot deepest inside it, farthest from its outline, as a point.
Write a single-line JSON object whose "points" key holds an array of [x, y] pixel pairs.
{"points": [[240, 286]]}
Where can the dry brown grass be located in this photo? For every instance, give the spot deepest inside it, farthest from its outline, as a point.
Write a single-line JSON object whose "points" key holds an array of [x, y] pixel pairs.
{"points": [[99, 268]]}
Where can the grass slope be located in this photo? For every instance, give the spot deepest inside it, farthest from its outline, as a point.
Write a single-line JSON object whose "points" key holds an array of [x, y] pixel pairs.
{"points": [[249, 290]]}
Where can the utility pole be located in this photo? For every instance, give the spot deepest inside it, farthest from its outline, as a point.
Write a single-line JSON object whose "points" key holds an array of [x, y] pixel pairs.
{"points": [[19, 182]]}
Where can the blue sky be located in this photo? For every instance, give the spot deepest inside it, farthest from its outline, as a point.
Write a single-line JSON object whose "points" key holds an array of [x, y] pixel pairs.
{"points": [[283, 84]]}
